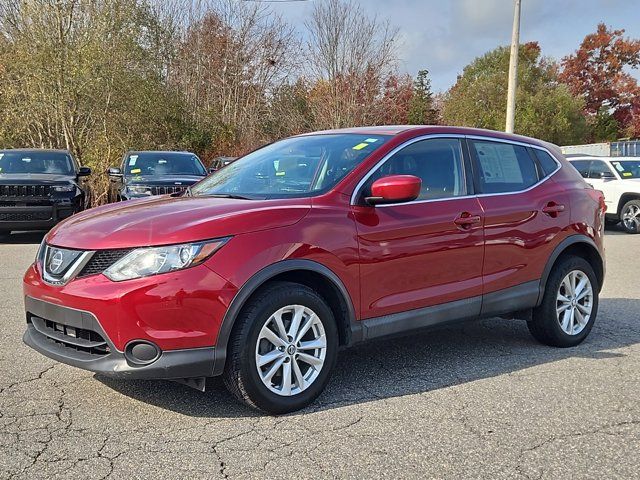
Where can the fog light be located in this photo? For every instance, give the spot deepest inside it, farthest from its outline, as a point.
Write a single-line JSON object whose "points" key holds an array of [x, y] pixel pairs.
{"points": [[142, 352]]}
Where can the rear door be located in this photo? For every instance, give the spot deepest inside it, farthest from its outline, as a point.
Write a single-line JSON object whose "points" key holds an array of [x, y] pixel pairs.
{"points": [[525, 212], [425, 252]]}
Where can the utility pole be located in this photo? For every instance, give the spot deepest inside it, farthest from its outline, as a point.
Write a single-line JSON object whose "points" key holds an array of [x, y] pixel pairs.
{"points": [[513, 69]]}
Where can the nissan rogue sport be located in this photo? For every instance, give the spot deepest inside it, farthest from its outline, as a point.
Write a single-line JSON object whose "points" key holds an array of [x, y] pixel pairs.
{"points": [[263, 270]]}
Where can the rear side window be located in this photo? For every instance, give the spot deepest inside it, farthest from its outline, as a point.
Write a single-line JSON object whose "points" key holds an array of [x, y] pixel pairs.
{"points": [[598, 168], [547, 163], [504, 167], [582, 166]]}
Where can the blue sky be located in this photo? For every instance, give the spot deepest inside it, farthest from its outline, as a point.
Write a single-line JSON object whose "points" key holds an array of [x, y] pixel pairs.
{"points": [[444, 36]]}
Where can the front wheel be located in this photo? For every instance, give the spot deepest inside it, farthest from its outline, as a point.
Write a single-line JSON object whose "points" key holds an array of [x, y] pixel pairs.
{"points": [[282, 350], [569, 306], [630, 216]]}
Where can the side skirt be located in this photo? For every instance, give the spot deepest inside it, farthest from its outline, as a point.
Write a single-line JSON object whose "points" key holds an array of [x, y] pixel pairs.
{"points": [[513, 299]]}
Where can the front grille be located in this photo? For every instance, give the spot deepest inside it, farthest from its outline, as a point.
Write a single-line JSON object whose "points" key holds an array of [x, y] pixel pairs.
{"points": [[167, 189], [24, 216], [79, 339], [101, 260], [25, 190]]}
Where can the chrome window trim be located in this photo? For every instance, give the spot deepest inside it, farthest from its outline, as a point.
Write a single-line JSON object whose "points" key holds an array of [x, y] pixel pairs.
{"points": [[73, 270], [364, 179]]}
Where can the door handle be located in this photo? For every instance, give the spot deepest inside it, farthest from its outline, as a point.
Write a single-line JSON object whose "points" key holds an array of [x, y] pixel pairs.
{"points": [[466, 220], [553, 209]]}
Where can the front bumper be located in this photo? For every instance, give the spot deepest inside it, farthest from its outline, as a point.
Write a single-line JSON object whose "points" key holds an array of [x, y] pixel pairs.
{"points": [[33, 217], [49, 330], [92, 322]]}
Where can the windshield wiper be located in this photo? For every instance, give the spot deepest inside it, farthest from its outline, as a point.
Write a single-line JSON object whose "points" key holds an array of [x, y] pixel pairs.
{"points": [[229, 195]]}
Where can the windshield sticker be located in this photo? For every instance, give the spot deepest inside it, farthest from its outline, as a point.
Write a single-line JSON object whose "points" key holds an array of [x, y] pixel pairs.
{"points": [[276, 164], [280, 174], [618, 166], [162, 161], [371, 140], [132, 160], [360, 146], [136, 170], [26, 160], [627, 174]]}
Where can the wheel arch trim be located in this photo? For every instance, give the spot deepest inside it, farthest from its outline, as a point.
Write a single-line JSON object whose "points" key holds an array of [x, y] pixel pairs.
{"points": [[259, 279], [559, 250]]}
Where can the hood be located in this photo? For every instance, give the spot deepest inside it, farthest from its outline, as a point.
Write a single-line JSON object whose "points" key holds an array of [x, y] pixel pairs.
{"points": [[163, 180], [166, 220], [34, 179]]}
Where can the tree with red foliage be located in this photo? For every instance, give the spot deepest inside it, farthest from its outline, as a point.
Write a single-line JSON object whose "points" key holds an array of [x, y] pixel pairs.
{"points": [[597, 72]]}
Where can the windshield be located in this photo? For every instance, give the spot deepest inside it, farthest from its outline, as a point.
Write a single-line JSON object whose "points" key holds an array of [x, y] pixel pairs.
{"points": [[294, 167], [627, 168], [36, 161], [163, 163]]}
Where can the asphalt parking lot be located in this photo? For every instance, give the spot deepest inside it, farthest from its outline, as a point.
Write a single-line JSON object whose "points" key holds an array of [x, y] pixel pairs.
{"points": [[480, 400]]}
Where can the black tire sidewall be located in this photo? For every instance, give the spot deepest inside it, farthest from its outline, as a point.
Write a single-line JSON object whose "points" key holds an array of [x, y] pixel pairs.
{"points": [[547, 314], [259, 394]]}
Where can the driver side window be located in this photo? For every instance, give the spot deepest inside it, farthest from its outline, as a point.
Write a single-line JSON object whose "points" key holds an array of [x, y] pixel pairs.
{"points": [[598, 168], [437, 162]]}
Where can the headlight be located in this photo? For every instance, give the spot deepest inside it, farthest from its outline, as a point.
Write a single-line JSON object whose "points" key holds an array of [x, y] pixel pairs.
{"points": [[139, 190], [64, 188], [143, 262]]}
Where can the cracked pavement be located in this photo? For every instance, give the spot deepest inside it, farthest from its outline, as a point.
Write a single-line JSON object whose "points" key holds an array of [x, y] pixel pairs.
{"points": [[481, 400]]}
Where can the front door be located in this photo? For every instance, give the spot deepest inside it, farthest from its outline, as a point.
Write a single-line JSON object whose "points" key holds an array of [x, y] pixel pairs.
{"points": [[425, 252]]}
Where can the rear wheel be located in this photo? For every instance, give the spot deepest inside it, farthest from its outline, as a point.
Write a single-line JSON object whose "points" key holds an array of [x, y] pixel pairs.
{"points": [[569, 306], [630, 216], [283, 349]]}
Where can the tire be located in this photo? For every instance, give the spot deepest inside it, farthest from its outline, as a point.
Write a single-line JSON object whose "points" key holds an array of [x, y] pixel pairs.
{"points": [[250, 341], [630, 216], [550, 327]]}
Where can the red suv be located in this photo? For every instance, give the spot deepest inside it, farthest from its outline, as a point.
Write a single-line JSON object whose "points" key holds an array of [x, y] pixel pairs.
{"points": [[262, 271]]}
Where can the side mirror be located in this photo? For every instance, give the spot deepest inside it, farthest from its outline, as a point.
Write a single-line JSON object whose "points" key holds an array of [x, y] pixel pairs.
{"points": [[212, 170], [84, 172], [607, 176], [394, 189], [114, 172]]}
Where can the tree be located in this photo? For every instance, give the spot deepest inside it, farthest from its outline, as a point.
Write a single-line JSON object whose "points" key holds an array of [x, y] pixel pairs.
{"points": [[597, 72], [351, 53], [83, 75], [230, 60], [544, 107], [421, 108]]}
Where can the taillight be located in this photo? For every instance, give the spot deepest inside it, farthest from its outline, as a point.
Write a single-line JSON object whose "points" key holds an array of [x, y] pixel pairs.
{"points": [[598, 196]]}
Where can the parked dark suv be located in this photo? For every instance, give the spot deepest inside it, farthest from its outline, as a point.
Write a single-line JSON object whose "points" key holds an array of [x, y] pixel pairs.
{"points": [[38, 188], [154, 173], [264, 269]]}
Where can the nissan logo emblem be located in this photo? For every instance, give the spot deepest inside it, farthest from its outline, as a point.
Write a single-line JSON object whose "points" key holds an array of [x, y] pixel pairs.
{"points": [[55, 262]]}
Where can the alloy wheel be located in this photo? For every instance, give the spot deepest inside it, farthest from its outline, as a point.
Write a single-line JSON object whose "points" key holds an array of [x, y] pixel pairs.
{"points": [[574, 302], [631, 217], [291, 350]]}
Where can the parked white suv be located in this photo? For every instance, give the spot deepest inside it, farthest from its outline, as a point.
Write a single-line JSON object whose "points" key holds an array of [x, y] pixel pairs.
{"points": [[619, 179]]}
